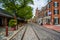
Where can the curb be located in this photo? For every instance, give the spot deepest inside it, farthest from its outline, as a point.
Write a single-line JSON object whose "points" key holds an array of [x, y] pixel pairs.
{"points": [[52, 29]]}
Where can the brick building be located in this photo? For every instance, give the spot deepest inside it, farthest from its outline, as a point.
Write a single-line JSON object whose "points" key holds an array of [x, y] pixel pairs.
{"points": [[36, 15], [50, 14], [53, 10], [39, 15]]}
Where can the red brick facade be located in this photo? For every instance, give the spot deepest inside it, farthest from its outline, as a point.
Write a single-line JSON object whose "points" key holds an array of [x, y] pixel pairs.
{"points": [[37, 13], [52, 10]]}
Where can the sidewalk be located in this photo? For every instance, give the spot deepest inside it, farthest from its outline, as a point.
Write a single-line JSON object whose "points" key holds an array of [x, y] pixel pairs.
{"points": [[54, 27], [3, 32]]}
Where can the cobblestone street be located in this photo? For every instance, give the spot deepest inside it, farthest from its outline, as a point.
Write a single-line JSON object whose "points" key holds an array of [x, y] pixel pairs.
{"points": [[30, 35], [33, 31], [44, 33]]}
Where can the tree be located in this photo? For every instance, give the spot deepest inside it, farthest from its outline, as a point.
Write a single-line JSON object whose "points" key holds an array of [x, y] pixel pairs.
{"points": [[13, 6], [25, 12]]}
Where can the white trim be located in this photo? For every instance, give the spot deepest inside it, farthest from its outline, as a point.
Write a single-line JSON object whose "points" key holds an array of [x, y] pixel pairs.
{"points": [[55, 17], [48, 17]]}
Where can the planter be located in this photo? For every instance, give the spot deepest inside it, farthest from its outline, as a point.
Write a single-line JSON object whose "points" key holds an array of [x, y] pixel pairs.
{"points": [[12, 24], [13, 28]]}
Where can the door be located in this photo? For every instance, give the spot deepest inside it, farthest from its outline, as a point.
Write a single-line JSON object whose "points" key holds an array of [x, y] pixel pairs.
{"points": [[0, 21]]}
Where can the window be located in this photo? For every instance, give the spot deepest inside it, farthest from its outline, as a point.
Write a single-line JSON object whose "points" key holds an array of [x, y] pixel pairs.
{"points": [[49, 13], [56, 4], [48, 21], [49, 0], [48, 6], [45, 14], [56, 11], [56, 20]]}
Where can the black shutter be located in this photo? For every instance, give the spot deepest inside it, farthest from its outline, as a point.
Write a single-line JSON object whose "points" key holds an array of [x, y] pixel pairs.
{"points": [[58, 11]]}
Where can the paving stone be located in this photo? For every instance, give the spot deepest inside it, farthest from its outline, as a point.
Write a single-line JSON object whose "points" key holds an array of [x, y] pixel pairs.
{"points": [[30, 35]]}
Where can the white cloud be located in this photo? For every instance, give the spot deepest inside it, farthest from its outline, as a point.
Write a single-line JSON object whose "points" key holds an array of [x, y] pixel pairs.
{"points": [[38, 4]]}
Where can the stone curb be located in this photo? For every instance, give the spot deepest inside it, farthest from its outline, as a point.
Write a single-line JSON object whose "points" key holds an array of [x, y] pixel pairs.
{"points": [[53, 29]]}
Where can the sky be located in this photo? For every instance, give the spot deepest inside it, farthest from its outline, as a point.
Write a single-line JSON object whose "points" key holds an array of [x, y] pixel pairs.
{"points": [[0, 5], [38, 4]]}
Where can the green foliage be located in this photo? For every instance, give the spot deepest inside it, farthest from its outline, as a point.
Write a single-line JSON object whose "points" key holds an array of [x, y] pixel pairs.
{"points": [[19, 7], [12, 23], [15, 4], [25, 12]]}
